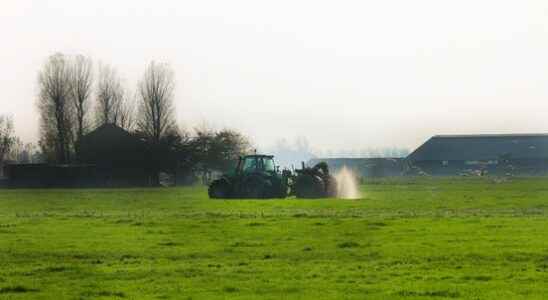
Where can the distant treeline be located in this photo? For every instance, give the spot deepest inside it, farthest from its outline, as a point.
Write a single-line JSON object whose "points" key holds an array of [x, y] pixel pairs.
{"points": [[392, 152], [292, 153]]}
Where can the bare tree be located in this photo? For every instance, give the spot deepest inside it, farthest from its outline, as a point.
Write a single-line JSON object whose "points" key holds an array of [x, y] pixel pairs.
{"points": [[156, 121], [16, 154], [7, 138], [55, 108], [81, 81], [110, 96], [126, 114], [23, 153], [156, 109]]}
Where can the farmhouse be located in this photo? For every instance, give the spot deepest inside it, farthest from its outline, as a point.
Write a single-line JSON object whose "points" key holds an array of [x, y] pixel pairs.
{"points": [[504, 154]]}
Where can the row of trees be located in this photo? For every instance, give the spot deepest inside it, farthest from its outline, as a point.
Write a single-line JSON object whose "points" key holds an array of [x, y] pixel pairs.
{"points": [[72, 101], [209, 150], [68, 94]]}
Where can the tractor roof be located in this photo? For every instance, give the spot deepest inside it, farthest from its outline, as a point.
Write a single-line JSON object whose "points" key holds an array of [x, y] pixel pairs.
{"points": [[259, 155]]}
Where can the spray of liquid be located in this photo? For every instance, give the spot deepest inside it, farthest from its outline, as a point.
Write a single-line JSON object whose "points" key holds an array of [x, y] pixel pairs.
{"points": [[347, 184]]}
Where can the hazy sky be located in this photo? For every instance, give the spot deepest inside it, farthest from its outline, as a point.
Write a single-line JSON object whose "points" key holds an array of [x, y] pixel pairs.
{"points": [[345, 74]]}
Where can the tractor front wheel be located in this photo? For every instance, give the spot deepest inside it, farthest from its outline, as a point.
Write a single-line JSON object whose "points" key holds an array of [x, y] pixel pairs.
{"points": [[219, 189]]}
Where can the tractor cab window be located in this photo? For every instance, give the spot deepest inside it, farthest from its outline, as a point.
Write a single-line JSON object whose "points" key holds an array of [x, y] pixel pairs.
{"points": [[257, 163], [249, 164], [268, 164]]}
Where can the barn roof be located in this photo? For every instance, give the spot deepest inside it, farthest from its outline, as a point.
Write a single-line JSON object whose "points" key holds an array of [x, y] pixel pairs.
{"points": [[107, 131], [482, 147], [110, 144]]}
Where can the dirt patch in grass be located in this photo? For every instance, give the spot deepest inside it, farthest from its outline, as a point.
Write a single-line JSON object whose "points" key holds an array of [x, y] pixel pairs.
{"points": [[123, 221], [230, 289], [255, 224], [190, 272], [57, 269], [520, 256], [443, 293], [377, 225], [477, 278], [350, 244], [291, 290], [168, 244], [17, 289], [127, 257], [94, 294], [47, 270], [246, 244], [374, 255]]}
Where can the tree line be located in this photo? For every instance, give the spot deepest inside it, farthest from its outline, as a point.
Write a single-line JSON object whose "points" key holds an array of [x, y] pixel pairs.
{"points": [[73, 100]]}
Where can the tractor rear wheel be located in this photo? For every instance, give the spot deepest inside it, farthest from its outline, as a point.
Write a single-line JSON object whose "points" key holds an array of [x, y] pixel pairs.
{"points": [[256, 187], [219, 189]]}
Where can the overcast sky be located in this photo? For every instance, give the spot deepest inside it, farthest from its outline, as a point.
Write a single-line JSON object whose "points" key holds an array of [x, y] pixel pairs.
{"points": [[344, 74]]}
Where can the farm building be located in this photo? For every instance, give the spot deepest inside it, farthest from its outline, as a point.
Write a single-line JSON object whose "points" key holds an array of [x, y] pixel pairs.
{"points": [[109, 156], [504, 154], [117, 156]]}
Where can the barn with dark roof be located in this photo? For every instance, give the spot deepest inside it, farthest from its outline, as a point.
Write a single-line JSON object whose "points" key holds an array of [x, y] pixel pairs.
{"points": [[117, 156], [109, 157], [517, 154]]}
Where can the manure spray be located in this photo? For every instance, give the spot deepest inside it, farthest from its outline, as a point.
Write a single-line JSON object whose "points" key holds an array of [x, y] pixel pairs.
{"points": [[347, 184]]}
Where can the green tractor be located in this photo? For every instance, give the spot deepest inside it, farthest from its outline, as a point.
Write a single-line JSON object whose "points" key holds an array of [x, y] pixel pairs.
{"points": [[257, 176]]}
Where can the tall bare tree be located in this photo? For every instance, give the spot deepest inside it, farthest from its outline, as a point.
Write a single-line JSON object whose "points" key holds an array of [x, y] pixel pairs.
{"points": [[81, 80], [127, 113], [156, 114], [56, 111], [156, 109], [110, 96]]}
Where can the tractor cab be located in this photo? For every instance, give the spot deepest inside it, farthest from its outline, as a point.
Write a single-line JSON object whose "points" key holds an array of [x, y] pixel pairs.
{"points": [[256, 164]]}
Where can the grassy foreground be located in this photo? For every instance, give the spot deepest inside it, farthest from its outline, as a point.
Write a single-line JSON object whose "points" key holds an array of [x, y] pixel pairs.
{"points": [[413, 239]]}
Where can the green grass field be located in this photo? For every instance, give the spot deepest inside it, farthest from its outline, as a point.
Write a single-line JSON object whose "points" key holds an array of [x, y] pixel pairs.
{"points": [[414, 239]]}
